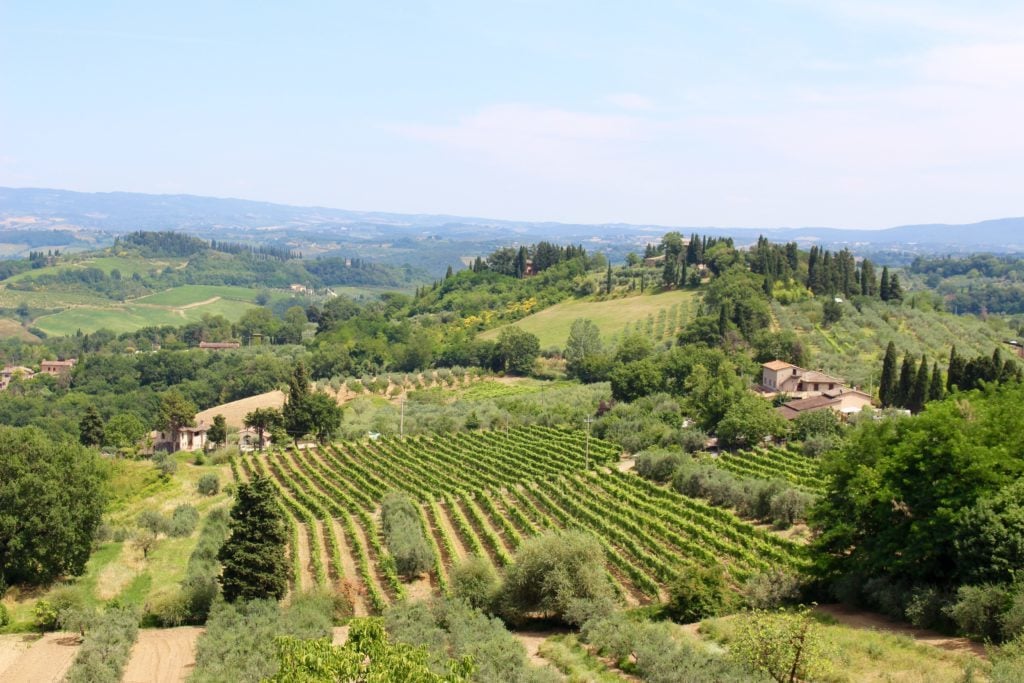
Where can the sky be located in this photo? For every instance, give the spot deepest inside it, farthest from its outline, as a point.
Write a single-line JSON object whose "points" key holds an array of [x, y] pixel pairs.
{"points": [[761, 113]]}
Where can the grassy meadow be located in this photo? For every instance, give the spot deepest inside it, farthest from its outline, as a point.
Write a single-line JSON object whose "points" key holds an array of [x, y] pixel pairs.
{"points": [[613, 316]]}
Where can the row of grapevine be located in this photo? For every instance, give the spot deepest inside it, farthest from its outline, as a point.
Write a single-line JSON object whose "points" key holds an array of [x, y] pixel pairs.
{"points": [[484, 493], [774, 463]]}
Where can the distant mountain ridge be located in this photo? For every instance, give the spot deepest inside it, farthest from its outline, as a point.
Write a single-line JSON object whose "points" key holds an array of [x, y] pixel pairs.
{"points": [[119, 212]]}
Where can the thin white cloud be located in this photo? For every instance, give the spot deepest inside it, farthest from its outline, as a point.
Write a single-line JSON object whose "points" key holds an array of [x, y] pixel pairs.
{"points": [[631, 101]]}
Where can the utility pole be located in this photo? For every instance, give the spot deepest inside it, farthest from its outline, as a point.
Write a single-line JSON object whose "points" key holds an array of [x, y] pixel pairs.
{"points": [[588, 421]]}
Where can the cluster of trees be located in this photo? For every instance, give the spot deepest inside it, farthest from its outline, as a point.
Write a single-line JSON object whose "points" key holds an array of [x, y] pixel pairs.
{"points": [[527, 259], [403, 534], [922, 517], [914, 385], [305, 413]]}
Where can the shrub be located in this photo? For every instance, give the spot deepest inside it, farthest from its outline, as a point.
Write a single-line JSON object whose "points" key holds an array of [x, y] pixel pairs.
{"points": [[166, 610], [44, 616], [559, 574], [165, 464], [208, 484], [5, 616], [691, 440], [183, 522], [978, 610], [926, 608], [476, 582], [1013, 619], [772, 589], [104, 653], [404, 535], [697, 593], [788, 646], [1008, 662], [659, 465], [789, 507]]}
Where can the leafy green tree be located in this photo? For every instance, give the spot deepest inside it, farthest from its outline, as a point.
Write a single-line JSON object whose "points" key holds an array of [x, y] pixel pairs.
{"points": [[516, 350], [176, 411], [831, 311], [253, 557], [748, 421], [634, 380], [787, 646], [991, 539], [52, 496], [124, 430], [816, 423], [584, 342], [324, 416], [263, 420], [90, 427], [218, 432], [696, 594]]}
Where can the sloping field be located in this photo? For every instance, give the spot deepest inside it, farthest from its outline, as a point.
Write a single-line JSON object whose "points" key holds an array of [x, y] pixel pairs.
{"points": [[234, 413], [853, 347], [39, 660], [192, 294], [12, 329], [162, 655], [134, 316], [482, 494], [612, 317]]}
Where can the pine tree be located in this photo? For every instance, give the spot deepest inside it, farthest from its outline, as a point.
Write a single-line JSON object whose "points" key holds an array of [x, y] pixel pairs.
{"points": [[90, 429], [905, 387], [253, 557], [919, 391], [887, 386], [218, 432], [895, 289], [936, 390], [448, 273]]}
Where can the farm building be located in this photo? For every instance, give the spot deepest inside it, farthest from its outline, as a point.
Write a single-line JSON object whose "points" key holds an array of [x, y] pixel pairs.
{"points": [[843, 401], [57, 367], [780, 377], [249, 440], [189, 439], [11, 371]]}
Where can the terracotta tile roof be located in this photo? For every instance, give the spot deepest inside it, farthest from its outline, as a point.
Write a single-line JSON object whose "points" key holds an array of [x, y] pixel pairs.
{"points": [[777, 365]]}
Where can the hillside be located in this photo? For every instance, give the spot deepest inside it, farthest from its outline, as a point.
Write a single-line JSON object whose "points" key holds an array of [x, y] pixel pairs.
{"points": [[613, 317]]}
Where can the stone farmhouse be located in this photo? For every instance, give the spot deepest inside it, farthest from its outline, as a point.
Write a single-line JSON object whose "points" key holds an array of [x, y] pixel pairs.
{"points": [[188, 439], [811, 390], [9, 372], [57, 368]]}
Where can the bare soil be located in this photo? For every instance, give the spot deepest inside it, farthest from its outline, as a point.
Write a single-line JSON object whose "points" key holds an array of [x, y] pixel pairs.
{"points": [[234, 412], [848, 616], [306, 578], [350, 571], [163, 655], [31, 659], [449, 528]]}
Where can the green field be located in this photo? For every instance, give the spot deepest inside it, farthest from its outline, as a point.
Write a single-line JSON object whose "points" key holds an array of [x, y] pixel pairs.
{"points": [[134, 316], [612, 317], [192, 294], [853, 347], [128, 265]]}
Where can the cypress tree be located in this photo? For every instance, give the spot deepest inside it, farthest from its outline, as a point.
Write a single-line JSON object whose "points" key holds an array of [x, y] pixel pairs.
{"points": [[905, 387], [895, 289], [936, 389], [723, 320], [254, 555], [919, 392], [90, 429], [608, 280], [295, 412], [883, 288], [887, 384], [955, 375]]}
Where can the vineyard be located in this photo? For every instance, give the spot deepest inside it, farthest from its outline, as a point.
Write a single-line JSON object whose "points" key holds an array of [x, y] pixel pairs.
{"points": [[787, 464], [480, 494]]}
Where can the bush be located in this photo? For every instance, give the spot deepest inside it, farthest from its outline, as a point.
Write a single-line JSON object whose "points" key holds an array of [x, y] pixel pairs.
{"points": [[1013, 618], [105, 651], [926, 608], [788, 646], [165, 464], [1008, 662], [208, 484], [659, 465], [404, 535], [978, 610], [559, 574], [789, 507], [772, 589], [476, 582], [697, 593], [44, 616], [5, 616], [183, 522]]}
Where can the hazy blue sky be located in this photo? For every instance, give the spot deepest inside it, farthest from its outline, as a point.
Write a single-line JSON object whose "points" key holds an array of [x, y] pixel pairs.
{"points": [[796, 112]]}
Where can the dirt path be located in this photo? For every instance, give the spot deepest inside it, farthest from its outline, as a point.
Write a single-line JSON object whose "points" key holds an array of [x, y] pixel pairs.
{"points": [[626, 464], [449, 528], [869, 620], [197, 304], [339, 635], [532, 641], [349, 570], [38, 660], [306, 579], [419, 589], [165, 655]]}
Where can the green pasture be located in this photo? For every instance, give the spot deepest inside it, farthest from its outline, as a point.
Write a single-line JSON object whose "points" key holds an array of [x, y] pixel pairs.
{"points": [[192, 294], [131, 317]]}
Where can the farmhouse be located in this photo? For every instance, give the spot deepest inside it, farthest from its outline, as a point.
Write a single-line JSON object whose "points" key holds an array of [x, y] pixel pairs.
{"points": [[57, 367], [249, 440], [11, 371], [652, 261], [780, 377], [843, 401], [189, 439]]}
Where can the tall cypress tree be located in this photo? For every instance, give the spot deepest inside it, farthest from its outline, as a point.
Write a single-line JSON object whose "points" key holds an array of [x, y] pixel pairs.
{"points": [[608, 280], [90, 429], [254, 555], [919, 392], [905, 386], [955, 374], [295, 411], [887, 385], [936, 389], [883, 288]]}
